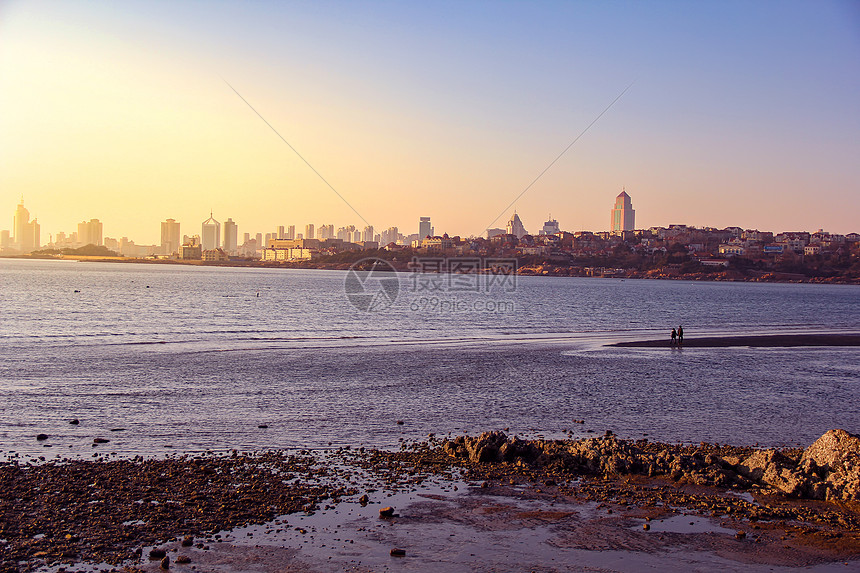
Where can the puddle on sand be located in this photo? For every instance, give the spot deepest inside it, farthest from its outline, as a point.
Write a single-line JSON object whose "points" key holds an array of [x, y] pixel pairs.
{"points": [[684, 524]]}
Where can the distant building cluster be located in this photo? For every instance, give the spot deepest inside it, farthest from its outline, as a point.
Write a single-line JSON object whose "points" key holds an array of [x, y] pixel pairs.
{"points": [[218, 241]]}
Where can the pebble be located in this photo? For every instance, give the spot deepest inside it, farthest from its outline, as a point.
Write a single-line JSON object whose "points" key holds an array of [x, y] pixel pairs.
{"points": [[42, 437], [386, 512], [165, 563], [398, 552]]}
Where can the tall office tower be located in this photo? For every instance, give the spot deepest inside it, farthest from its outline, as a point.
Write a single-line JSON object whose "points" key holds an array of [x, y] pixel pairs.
{"points": [[259, 239], [5, 240], [291, 232], [246, 237], [169, 237], [368, 233], [356, 236], [90, 232], [550, 227], [623, 215], [281, 232], [309, 231], [210, 234], [231, 237], [424, 227], [23, 229], [515, 227]]}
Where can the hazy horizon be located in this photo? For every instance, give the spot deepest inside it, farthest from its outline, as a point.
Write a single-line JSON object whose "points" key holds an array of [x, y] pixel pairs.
{"points": [[739, 114]]}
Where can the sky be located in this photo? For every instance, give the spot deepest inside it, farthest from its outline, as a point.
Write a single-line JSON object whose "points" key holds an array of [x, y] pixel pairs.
{"points": [[739, 114]]}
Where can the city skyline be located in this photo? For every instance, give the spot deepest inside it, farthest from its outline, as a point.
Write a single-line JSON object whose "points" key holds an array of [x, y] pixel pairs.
{"points": [[120, 113]]}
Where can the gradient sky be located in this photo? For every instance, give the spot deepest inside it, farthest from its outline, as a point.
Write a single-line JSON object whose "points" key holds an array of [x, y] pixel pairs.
{"points": [[742, 113]]}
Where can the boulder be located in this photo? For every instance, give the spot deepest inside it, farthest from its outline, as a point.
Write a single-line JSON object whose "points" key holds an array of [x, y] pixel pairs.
{"points": [[835, 457]]}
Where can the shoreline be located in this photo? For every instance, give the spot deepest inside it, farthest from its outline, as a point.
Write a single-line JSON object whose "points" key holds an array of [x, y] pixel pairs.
{"points": [[528, 270], [752, 341], [556, 501]]}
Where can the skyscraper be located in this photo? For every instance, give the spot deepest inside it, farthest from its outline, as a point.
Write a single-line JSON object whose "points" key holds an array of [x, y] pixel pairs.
{"points": [[231, 237], [90, 232], [291, 232], [367, 235], [211, 234], [424, 227], [515, 227], [169, 237], [550, 227], [623, 214], [309, 231], [26, 232]]}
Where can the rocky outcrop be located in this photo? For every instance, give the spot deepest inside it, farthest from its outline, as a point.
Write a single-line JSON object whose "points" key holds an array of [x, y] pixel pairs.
{"points": [[828, 469]]}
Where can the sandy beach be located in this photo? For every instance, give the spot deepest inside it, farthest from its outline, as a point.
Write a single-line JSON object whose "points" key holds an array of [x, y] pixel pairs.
{"points": [[755, 341], [484, 503]]}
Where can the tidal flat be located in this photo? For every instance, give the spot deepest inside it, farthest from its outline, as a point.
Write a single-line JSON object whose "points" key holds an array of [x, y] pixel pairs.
{"points": [[482, 503]]}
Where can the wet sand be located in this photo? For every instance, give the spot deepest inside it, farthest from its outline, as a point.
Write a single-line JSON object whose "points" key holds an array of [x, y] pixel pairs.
{"points": [[755, 341], [306, 511]]}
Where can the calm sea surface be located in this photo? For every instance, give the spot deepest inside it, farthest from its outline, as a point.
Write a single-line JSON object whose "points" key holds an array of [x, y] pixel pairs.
{"points": [[185, 359]]}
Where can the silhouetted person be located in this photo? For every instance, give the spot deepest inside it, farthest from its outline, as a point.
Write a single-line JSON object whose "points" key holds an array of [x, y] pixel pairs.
{"points": [[674, 337], [680, 335]]}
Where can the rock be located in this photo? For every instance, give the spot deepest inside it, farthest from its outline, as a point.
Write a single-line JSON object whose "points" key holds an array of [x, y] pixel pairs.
{"points": [[835, 457], [74, 422], [741, 535], [187, 541], [386, 512], [364, 500], [755, 466], [42, 437], [165, 563], [646, 527], [263, 426], [398, 552], [157, 554], [183, 559], [100, 441]]}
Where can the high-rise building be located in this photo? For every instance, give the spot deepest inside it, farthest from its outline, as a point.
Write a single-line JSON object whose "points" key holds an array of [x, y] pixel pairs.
{"points": [[515, 227], [346, 233], [390, 235], [291, 232], [210, 235], [309, 231], [623, 215], [325, 232], [367, 235], [169, 237], [280, 234], [425, 229], [550, 227], [23, 231], [231, 237], [90, 232]]}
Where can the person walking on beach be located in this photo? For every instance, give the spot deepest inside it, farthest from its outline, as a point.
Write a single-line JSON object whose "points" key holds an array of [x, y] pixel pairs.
{"points": [[674, 337], [680, 335]]}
